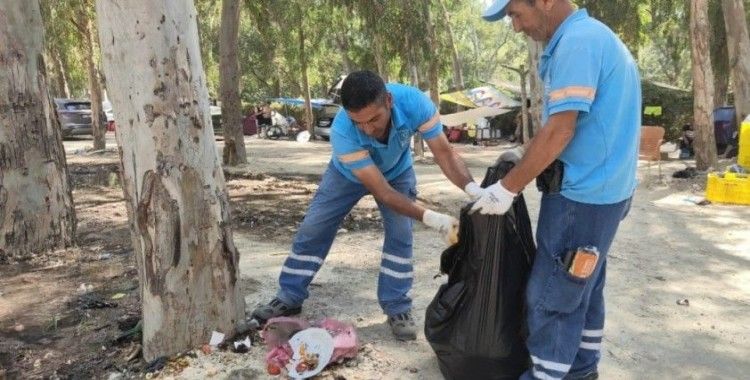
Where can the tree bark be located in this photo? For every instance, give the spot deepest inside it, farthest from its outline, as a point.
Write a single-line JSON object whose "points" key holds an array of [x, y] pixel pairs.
{"points": [[719, 54], [458, 76], [738, 44], [414, 78], [536, 87], [229, 71], [59, 80], [172, 178], [380, 60], [433, 73], [63, 61], [305, 79], [95, 89], [36, 206], [705, 143]]}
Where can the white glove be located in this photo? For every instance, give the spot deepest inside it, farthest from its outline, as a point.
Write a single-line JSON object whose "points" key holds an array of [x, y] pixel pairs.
{"points": [[475, 191], [495, 201], [512, 155], [445, 224]]}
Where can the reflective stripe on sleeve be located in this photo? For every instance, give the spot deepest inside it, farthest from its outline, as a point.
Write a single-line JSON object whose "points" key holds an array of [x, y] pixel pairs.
{"points": [[572, 92], [430, 123]]}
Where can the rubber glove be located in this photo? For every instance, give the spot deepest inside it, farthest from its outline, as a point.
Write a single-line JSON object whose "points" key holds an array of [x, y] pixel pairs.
{"points": [[445, 224], [495, 201], [474, 190]]}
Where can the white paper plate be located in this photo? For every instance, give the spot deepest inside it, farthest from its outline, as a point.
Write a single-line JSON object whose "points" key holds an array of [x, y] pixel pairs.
{"points": [[316, 341]]}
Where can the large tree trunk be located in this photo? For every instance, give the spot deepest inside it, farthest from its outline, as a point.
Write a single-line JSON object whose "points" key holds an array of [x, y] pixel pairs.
{"points": [[536, 88], [703, 102], [36, 206], [738, 44], [172, 179], [229, 71], [719, 54], [95, 89]]}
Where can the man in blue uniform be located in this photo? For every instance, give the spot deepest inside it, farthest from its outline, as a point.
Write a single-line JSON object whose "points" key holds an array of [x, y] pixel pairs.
{"points": [[371, 155], [591, 123]]}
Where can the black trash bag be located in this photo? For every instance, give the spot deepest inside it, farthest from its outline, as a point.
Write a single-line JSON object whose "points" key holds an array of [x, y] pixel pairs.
{"points": [[476, 323]]}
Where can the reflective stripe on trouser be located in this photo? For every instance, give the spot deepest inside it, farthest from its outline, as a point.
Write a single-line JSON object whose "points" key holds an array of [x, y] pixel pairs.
{"points": [[565, 313], [335, 198]]}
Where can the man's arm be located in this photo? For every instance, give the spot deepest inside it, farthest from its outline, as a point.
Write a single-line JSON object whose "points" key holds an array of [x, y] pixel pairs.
{"points": [[374, 182], [544, 148], [449, 161]]}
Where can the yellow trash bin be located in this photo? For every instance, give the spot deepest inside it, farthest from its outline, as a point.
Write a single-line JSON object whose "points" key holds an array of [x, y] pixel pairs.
{"points": [[743, 157]]}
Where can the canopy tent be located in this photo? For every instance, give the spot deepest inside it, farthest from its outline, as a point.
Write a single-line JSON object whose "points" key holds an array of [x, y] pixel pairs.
{"points": [[316, 103], [470, 116], [485, 96], [458, 97]]}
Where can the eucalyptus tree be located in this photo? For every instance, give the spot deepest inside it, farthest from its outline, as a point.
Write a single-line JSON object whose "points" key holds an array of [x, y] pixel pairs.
{"points": [[84, 24], [65, 52], [719, 53], [58, 41], [174, 186], [666, 55], [229, 69], [36, 206], [458, 76], [705, 144]]}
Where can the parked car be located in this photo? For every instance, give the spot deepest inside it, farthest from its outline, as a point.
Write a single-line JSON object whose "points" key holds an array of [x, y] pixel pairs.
{"points": [[74, 116], [325, 120]]}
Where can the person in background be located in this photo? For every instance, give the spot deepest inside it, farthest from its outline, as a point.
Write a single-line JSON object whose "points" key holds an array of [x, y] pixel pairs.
{"points": [[686, 141]]}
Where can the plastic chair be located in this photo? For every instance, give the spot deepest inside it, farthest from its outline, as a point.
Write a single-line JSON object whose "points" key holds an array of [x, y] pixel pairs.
{"points": [[650, 147]]}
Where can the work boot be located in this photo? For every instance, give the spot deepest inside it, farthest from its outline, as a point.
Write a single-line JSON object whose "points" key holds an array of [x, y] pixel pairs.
{"points": [[403, 326], [275, 308]]}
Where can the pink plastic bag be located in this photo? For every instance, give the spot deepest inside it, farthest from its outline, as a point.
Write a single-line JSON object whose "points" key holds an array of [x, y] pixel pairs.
{"points": [[278, 331], [345, 344]]}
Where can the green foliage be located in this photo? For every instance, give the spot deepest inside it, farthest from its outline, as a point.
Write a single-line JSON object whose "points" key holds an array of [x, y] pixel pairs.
{"points": [[677, 107], [63, 39], [342, 35]]}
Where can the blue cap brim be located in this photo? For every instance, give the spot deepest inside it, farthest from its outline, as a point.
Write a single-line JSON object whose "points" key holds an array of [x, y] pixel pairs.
{"points": [[496, 11]]}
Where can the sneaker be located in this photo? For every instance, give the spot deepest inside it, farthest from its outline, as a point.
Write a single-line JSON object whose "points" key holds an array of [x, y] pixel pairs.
{"points": [[403, 326], [275, 308]]}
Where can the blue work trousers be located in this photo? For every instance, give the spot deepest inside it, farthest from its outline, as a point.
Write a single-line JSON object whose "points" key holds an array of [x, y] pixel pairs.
{"points": [[335, 198], [566, 313]]}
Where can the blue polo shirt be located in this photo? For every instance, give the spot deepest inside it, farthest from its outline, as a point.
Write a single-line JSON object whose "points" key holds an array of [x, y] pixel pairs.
{"points": [[412, 112], [586, 68]]}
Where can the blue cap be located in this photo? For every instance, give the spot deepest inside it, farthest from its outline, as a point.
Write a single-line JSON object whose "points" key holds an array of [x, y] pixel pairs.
{"points": [[496, 11]]}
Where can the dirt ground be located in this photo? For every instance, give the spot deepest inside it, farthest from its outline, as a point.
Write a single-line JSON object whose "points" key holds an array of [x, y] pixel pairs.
{"points": [[61, 314]]}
